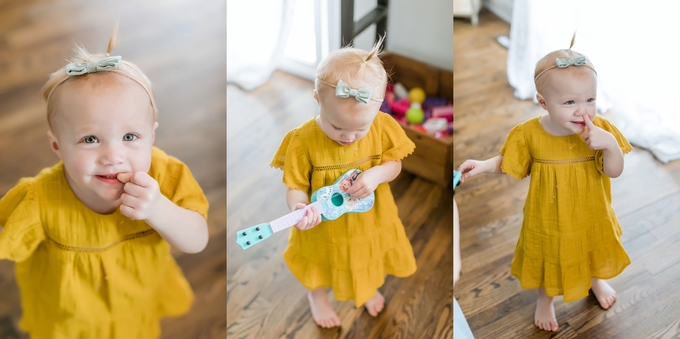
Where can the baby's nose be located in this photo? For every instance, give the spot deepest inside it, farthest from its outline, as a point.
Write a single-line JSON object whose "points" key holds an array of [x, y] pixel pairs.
{"points": [[111, 155]]}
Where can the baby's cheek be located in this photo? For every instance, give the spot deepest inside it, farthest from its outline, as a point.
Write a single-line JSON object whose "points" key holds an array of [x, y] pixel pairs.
{"points": [[142, 162]]}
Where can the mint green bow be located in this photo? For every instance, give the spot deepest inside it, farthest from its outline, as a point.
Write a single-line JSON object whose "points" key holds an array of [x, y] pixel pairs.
{"points": [[79, 68], [577, 61], [342, 90]]}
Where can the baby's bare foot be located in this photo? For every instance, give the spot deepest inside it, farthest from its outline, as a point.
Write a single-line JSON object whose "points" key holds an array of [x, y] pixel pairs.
{"points": [[604, 293], [322, 312], [375, 304], [544, 318]]}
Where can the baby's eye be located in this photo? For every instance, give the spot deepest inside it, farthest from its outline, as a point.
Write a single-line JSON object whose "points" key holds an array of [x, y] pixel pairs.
{"points": [[591, 100], [335, 128], [91, 139], [129, 137], [570, 102]]}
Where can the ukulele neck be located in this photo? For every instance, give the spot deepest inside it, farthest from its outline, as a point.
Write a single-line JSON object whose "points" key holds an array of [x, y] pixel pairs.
{"points": [[293, 218]]}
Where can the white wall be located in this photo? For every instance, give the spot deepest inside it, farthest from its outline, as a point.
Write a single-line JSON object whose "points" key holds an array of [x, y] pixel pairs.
{"points": [[422, 30], [502, 8]]}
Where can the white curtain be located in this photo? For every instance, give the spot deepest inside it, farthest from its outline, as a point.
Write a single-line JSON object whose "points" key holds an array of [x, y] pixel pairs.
{"points": [[634, 46], [257, 32]]}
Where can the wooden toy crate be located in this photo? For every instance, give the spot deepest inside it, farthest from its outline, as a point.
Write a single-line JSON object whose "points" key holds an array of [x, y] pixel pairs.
{"points": [[433, 157]]}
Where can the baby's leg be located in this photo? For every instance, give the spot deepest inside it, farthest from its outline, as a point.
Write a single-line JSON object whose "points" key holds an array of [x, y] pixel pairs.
{"points": [[604, 293], [375, 304], [322, 312], [544, 318]]}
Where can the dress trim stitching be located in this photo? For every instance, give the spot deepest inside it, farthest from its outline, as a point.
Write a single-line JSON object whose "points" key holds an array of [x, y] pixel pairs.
{"points": [[101, 249], [565, 161], [351, 164]]}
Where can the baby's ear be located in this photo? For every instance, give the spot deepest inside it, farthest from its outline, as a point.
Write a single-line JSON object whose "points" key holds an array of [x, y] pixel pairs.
{"points": [[316, 97], [54, 143], [153, 134], [541, 101]]}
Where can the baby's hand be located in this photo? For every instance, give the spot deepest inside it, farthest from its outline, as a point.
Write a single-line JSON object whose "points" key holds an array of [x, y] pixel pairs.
{"points": [[597, 138], [311, 219], [469, 169], [140, 197], [364, 184]]}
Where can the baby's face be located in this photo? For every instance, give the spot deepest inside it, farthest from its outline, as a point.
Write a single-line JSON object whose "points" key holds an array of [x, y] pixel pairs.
{"points": [[102, 127], [345, 120], [569, 95]]}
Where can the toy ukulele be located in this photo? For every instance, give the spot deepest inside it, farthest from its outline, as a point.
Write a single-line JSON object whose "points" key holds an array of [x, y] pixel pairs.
{"points": [[456, 178], [331, 201]]}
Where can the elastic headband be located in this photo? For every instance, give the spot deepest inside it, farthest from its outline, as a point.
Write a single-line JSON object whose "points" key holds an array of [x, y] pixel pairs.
{"points": [[342, 90], [108, 64], [565, 62]]}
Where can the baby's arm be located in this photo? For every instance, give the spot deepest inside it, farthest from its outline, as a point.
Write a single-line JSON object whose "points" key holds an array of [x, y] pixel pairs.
{"points": [[296, 200], [612, 162], [369, 180], [470, 167], [184, 229]]}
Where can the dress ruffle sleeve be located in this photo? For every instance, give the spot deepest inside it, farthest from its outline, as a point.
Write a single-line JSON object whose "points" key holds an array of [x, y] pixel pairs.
{"points": [[22, 229], [292, 158], [177, 183], [395, 144], [620, 139], [517, 159]]}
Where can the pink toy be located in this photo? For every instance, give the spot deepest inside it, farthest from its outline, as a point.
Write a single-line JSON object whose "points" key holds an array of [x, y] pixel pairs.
{"points": [[443, 112], [400, 107], [389, 96]]}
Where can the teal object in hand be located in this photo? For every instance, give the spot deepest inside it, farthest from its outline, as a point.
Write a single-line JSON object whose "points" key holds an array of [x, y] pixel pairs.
{"points": [[336, 201], [331, 201]]}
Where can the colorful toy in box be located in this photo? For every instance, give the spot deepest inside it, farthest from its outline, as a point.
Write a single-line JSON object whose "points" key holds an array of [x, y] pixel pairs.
{"points": [[385, 106], [415, 114], [432, 115], [432, 102], [400, 91], [400, 106], [445, 112], [395, 106], [434, 125]]}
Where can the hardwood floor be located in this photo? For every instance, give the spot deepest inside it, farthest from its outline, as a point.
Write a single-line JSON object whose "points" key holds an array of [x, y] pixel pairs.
{"points": [[181, 47], [264, 300], [646, 199]]}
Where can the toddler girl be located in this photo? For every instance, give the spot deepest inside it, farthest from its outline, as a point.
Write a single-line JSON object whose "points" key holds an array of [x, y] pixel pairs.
{"points": [[570, 238], [352, 253], [90, 234]]}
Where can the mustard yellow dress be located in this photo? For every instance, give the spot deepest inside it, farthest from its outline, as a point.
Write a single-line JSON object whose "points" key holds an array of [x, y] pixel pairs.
{"points": [[353, 253], [86, 275], [570, 232]]}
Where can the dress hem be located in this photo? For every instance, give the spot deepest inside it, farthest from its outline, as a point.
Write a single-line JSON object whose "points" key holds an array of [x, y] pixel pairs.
{"points": [[533, 287]]}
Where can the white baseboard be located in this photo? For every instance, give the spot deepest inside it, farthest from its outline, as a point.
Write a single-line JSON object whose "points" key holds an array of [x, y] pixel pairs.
{"points": [[502, 8]]}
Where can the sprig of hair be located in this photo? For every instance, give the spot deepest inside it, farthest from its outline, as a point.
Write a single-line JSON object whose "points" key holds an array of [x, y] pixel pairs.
{"points": [[376, 49], [573, 38], [112, 40]]}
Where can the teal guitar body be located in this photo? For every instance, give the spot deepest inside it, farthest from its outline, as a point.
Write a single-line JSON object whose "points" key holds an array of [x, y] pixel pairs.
{"points": [[331, 201], [336, 201]]}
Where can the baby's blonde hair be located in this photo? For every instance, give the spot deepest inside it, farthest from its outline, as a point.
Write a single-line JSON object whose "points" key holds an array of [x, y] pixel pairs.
{"points": [[126, 69], [549, 61], [356, 67]]}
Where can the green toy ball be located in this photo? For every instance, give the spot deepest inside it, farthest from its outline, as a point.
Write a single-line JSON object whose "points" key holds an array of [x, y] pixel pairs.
{"points": [[415, 115]]}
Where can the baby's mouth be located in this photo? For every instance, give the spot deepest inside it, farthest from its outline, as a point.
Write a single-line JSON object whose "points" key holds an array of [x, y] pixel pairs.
{"points": [[109, 178]]}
